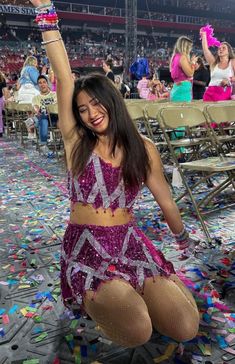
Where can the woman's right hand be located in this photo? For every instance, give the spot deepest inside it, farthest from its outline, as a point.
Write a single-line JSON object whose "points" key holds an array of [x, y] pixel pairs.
{"points": [[202, 34], [194, 59]]}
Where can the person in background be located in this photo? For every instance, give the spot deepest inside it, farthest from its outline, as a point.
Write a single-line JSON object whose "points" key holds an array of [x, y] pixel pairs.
{"points": [[40, 119], [142, 87], [3, 97], [157, 90], [222, 70], [201, 78], [28, 80], [122, 87], [75, 75], [108, 69], [182, 68], [109, 268], [52, 79]]}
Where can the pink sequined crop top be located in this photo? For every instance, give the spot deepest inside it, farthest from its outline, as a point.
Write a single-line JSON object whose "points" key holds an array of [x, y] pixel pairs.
{"points": [[101, 186]]}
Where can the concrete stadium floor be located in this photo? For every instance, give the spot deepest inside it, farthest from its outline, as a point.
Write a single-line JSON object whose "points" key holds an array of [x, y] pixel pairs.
{"points": [[35, 327]]}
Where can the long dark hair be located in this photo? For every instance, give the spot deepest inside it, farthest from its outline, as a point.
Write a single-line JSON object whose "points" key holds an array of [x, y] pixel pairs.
{"points": [[121, 130], [200, 62]]}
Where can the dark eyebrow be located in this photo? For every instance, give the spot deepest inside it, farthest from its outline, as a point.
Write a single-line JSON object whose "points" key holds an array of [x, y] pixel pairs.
{"points": [[89, 102]]}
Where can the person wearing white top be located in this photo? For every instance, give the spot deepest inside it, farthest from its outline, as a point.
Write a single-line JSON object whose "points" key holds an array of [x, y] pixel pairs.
{"points": [[222, 70]]}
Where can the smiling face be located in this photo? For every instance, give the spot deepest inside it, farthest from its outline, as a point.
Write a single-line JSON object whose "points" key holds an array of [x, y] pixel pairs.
{"points": [[43, 86], [93, 114]]}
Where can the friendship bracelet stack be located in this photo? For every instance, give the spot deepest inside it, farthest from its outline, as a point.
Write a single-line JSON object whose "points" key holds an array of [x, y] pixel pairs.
{"points": [[47, 18], [182, 239]]}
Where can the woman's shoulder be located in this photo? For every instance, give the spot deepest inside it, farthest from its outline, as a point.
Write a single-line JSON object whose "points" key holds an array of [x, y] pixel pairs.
{"points": [[149, 144]]}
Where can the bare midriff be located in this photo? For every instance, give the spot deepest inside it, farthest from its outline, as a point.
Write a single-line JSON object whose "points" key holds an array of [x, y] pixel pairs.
{"points": [[86, 214]]}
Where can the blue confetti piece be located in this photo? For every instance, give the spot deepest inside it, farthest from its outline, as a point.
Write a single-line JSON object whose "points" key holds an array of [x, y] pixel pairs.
{"points": [[222, 342], [206, 318], [37, 330], [12, 282], [13, 309], [83, 349], [2, 332], [2, 310], [210, 302]]}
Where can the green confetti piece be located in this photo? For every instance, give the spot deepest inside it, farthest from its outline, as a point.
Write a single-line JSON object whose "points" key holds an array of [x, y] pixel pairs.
{"points": [[78, 359], [55, 297], [69, 337], [232, 330], [37, 319], [41, 337], [57, 290], [31, 309], [31, 361], [74, 324]]}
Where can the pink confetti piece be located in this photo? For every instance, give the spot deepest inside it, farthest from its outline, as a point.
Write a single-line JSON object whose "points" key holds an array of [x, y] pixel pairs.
{"points": [[218, 331], [5, 319], [219, 319], [230, 338], [229, 350]]}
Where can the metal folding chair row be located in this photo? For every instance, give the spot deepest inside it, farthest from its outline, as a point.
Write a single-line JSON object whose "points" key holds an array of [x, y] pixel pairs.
{"points": [[207, 148], [15, 116]]}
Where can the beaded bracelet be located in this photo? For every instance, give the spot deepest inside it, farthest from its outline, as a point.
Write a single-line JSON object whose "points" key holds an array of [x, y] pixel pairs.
{"points": [[51, 41], [47, 19], [183, 235]]}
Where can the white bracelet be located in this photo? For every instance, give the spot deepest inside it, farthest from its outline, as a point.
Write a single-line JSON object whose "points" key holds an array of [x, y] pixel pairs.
{"points": [[51, 41]]}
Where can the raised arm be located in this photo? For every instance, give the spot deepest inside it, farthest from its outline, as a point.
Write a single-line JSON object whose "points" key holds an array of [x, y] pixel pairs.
{"points": [[207, 53], [58, 57]]}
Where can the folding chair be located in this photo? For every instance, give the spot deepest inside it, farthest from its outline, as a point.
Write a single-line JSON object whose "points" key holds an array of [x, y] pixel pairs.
{"points": [[136, 112], [191, 117], [10, 118], [55, 140], [222, 112], [22, 112]]}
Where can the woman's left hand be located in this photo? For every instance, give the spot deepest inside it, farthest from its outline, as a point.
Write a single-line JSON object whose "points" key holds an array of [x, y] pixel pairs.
{"points": [[225, 82]]}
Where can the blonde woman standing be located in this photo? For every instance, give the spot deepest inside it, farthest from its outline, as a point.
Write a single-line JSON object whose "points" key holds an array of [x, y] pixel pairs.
{"points": [[182, 70], [28, 80]]}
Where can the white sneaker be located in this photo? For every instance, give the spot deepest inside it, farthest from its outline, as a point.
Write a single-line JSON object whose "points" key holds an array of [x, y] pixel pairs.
{"points": [[44, 149]]}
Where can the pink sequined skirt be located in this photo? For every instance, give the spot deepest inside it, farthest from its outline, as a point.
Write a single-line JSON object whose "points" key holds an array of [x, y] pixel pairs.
{"points": [[94, 254]]}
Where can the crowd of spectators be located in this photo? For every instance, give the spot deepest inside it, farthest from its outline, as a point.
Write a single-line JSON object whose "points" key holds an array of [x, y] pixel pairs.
{"points": [[88, 47]]}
